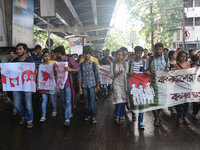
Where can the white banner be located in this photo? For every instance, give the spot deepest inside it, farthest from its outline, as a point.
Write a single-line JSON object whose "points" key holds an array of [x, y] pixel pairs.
{"points": [[62, 75], [163, 89], [18, 77], [105, 74], [46, 77]]}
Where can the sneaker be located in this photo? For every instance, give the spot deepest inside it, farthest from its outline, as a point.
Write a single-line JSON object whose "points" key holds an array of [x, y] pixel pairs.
{"points": [[42, 119], [140, 125], [133, 117], [54, 113]]}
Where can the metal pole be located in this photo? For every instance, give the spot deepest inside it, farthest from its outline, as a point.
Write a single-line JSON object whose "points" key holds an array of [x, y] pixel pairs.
{"points": [[48, 35], [183, 26], [151, 11]]}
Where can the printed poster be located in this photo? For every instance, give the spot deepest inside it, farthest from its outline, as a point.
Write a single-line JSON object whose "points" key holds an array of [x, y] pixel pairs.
{"points": [[18, 77], [76, 45], [163, 89], [46, 77], [62, 75], [105, 74]]}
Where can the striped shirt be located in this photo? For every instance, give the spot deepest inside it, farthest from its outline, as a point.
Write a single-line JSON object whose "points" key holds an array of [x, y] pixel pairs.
{"points": [[137, 66], [158, 64]]}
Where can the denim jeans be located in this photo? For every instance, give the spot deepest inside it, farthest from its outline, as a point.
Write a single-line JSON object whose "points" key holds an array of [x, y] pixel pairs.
{"points": [[17, 101], [90, 101], [185, 110], [44, 102], [66, 94], [107, 88], [120, 110], [140, 117]]}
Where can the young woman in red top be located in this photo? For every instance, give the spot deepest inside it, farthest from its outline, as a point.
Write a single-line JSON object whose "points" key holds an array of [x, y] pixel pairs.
{"points": [[182, 64]]}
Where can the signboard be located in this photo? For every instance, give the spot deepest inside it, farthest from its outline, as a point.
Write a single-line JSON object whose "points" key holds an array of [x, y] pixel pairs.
{"points": [[76, 45], [62, 75], [22, 22], [47, 8], [163, 89], [105, 74]]}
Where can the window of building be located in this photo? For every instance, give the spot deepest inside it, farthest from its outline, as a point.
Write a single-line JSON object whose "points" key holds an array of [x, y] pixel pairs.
{"points": [[197, 3], [197, 21], [189, 22], [189, 3]]}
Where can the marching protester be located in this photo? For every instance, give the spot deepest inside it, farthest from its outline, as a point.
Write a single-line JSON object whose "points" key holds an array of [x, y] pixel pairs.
{"points": [[196, 105], [125, 50], [107, 60], [68, 92], [172, 61], [165, 51], [145, 57], [88, 79], [26, 115], [38, 56], [158, 62], [118, 70], [182, 64], [46, 93], [137, 65]]}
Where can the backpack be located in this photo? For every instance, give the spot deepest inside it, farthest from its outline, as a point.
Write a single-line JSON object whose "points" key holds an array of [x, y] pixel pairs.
{"points": [[151, 59], [114, 65]]}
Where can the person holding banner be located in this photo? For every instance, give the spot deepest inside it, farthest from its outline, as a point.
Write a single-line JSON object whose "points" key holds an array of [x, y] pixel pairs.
{"points": [[158, 62], [118, 70], [182, 64], [88, 79], [137, 65], [21, 49], [68, 92], [45, 93]]}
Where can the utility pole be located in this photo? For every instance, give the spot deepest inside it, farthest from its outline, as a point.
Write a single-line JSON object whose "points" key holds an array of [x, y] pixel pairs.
{"points": [[151, 11], [183, 10]]}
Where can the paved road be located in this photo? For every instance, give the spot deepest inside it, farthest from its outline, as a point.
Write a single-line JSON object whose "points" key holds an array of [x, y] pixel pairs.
{"points": [[105, 135]]}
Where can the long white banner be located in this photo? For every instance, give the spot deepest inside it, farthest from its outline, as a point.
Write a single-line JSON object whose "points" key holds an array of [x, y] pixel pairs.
{"points": [[163, 89]]}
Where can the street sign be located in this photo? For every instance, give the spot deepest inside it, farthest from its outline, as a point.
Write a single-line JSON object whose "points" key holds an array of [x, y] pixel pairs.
{"points": [[186, 34]]}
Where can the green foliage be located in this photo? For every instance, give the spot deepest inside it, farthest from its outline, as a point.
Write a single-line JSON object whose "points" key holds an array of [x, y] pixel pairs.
{"points": [[115, 40], [160, 20], [42, 36]]}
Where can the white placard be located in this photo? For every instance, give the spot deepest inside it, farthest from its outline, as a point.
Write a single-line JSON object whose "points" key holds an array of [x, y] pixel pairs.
{"points": [[62, 75]]}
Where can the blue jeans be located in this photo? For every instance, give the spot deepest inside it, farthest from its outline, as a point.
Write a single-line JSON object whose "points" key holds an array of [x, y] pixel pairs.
{"points": [[140, 117], [66, 95], [120, 110], [107, 88], [185, 110], [17, 101], [44, 102], [90, 101]]}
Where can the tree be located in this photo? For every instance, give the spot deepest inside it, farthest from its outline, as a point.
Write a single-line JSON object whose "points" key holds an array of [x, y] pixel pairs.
{"points": [[115, 40], [158, 16], [42, 36]]}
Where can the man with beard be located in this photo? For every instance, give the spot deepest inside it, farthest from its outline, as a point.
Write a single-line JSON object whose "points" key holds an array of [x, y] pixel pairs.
{"points": [[88, 79], [68, 92], [158, 62], [27, 115]]}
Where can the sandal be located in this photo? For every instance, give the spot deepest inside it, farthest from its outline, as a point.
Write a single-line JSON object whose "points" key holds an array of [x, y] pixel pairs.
{"points": [[14, 112], [186, 121], [87, 118], [180, 121], [156, 122], [196, 117], [22, 121], [94, 121], [116, 120], [66, 123], [121, 121], [29, 125]]}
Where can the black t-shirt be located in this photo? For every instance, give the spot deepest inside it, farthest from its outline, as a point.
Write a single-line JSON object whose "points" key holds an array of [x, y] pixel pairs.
{"points": [[26, 60]]}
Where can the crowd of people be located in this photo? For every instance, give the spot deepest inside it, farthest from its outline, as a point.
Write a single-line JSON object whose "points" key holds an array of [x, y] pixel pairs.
{"points": [[84, 79]]}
